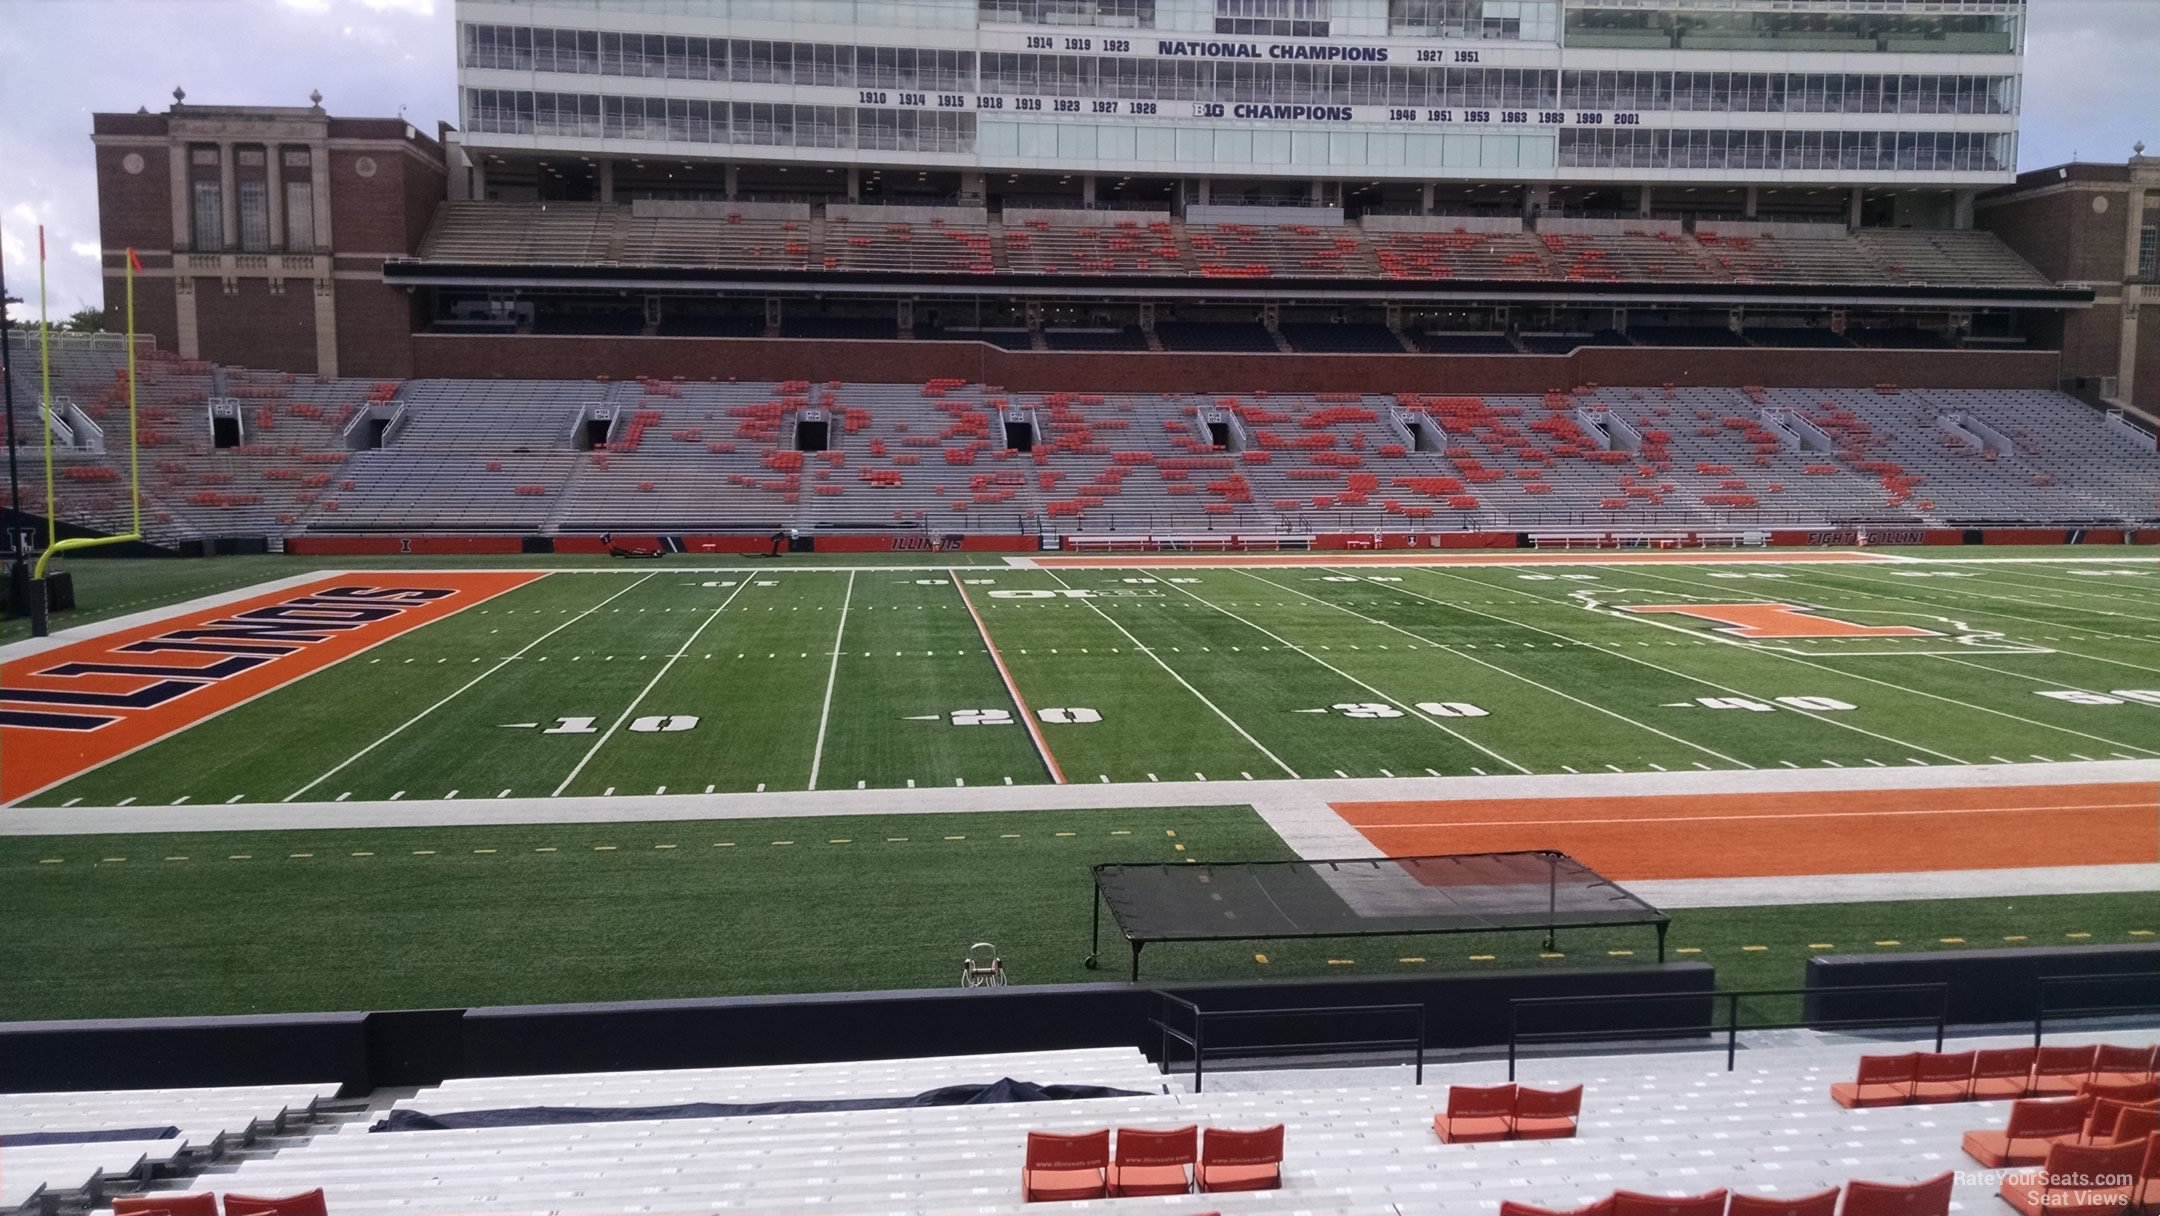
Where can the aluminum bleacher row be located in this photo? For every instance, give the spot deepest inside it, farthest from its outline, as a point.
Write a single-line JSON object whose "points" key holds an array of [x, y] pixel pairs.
{"points": [[205, 1124], [848, 237], [1356, 1140], [520, 456]]}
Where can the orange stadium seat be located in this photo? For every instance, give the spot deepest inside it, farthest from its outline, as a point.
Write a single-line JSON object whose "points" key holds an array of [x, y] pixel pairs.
{"points": [[2077, 1180], [1881, 1081], [2035, 1123], [1542, 1114]]}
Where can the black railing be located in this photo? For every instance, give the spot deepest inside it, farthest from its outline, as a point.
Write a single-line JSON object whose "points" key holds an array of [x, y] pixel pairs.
{"points": [[1723, 1017], [2047, 1004], [1196, 1038]]}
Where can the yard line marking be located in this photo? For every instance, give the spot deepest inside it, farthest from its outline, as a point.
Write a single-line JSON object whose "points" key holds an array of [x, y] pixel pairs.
{"points": [[1906, 599], [1707, 683], [832, 674], [2019, 675], [341, 766], [1917, 692], [1012, 689], [1413, 712], [658, 676], [1504, 671]]}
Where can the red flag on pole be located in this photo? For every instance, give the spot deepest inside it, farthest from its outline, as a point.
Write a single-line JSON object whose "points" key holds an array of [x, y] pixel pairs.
{"points": [[41, 242], [134, 263]]}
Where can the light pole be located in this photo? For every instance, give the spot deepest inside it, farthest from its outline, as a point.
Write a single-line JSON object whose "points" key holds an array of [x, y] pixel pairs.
{"points": [[18, 569]]}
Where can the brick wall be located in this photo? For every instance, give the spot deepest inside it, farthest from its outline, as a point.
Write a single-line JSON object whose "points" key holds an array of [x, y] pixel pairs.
{"points": [[156, 308], [375, 325], [367, 214], [253, 328], [547, 357], [2146, 392]]}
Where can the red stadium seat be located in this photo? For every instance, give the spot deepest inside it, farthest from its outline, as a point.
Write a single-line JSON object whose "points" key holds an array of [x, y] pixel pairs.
{"points": [[202, 1203], [1638, 1203], [2122, 1065], [1241, 1161], [1542, 1114], [1821, 1203], [1153, 1162], [1061, 1166], [1602, 1207], [306, 1203], [1476, 1113], [1929, 1198]]}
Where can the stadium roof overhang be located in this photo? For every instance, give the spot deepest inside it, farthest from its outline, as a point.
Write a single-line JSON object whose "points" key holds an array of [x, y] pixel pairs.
{"points": [[1097, 288]]}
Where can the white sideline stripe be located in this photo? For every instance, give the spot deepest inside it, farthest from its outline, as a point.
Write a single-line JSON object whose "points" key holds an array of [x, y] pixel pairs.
{"points": [[1679, 820], [1415, 713], [832, 674], [467, 687], [658, 676], [1917, 692], [1306, 795], [1602, 649], [1514, 675], [1876, 888], [1202, 697]]}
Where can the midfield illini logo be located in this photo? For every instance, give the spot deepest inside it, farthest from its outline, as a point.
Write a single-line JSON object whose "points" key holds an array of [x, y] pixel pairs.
{"points": [[1765, 620]]}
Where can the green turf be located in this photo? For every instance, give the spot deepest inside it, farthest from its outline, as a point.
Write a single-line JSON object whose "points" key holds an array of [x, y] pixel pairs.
{"points": [[1170, 675], [210, 923], [236, 922]]}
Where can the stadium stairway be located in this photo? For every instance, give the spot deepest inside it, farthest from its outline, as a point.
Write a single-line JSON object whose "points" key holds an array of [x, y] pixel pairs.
{"points": [[1357, 1139], [213, 1126]]}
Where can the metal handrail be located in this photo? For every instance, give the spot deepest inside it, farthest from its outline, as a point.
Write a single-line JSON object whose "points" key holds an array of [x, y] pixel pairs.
{"points": [[1729, 1025], [1197, 1039], [2047, 983]]}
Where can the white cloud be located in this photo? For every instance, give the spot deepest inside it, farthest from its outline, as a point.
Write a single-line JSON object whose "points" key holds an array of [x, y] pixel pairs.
{"points": [[85, 249]]}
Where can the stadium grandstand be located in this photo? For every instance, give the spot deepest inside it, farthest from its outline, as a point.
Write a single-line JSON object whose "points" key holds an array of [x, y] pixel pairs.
{"points": [[1584, 569]]}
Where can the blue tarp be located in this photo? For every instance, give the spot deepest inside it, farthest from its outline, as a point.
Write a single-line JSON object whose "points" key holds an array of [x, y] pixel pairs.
{"points": [[31, 1139], [1005, 1089]]}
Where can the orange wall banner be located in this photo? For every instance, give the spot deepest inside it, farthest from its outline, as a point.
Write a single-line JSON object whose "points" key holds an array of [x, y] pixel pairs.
{"points": [[67, 710]]}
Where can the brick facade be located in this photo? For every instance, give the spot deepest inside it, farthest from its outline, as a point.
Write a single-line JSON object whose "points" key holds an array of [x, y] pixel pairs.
{"points": [[2079, 225], [303, 296], [544, 357]]}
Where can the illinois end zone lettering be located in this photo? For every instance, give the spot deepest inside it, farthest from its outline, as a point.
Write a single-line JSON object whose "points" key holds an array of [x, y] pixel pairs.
{"points": [[72, 708]]}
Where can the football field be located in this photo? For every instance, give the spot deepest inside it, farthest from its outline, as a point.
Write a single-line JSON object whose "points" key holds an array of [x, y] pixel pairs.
{"points": [[645, 680]]}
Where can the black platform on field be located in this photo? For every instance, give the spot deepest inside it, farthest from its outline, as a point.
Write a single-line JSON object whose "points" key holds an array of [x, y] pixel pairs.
{"points": [[1362, 897]]}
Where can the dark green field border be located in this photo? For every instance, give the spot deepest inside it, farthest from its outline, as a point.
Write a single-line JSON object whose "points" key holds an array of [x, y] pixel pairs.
{"points": [[110, 587], [250, 922]]}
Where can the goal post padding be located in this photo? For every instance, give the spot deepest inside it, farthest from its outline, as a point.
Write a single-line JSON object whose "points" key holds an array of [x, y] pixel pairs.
{"points": [[1365, 897]]}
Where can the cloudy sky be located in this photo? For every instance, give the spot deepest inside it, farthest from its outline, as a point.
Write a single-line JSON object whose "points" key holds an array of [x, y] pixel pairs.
{"points": [[2092, 90]]}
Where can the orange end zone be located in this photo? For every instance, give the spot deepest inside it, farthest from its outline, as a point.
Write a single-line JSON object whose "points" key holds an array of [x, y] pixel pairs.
{"points": [[67, 710], [1413, 557], [1766, 835]]}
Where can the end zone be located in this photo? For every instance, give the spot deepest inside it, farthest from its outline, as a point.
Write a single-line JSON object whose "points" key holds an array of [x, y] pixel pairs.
{"points": [[69, 708]]}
